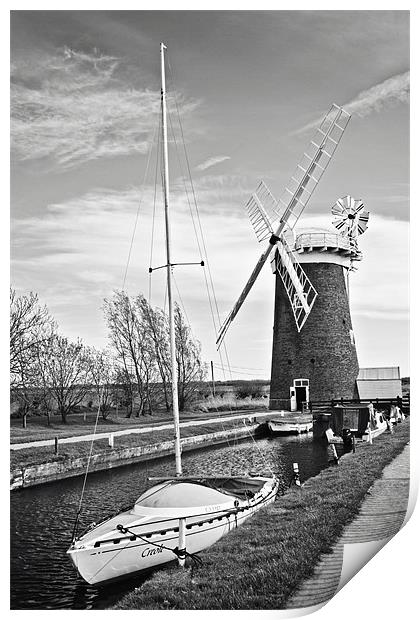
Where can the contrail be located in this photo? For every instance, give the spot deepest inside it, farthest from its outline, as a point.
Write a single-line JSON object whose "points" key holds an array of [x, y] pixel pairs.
{"points": [[391, 91]]}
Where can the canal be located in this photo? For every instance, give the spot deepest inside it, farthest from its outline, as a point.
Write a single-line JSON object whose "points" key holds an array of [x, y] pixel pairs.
{"points": [[42, 517]]}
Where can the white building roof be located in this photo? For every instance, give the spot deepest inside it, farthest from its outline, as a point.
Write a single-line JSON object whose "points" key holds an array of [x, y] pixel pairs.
{"points": [[386, 372], [379, 382], [379, 388]]}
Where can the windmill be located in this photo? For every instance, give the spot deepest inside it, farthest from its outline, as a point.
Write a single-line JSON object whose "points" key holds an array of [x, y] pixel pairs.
{"points": [[306, 337]]}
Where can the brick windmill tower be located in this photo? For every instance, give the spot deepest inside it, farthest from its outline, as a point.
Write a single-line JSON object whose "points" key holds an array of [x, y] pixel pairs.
{"points": [[314, 355], [319, 362]]}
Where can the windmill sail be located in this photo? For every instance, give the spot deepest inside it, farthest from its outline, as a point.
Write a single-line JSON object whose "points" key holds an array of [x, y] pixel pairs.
{"points": [[298, 287], [262, 211], [297, 192]]}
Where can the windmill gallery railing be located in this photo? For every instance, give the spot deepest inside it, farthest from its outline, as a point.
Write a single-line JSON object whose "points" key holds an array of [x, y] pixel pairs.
{"points": [[320, 240]]}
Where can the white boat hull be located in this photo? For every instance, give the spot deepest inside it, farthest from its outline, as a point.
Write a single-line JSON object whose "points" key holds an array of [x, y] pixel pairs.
{"points": [[290, 428], [122, 555]]}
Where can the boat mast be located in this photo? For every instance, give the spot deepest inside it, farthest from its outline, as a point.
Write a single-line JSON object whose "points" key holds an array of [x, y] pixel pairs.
{"points": [[174, 373]]}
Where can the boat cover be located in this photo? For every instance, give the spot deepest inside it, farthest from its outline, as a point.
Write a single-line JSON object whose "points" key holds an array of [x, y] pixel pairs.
{"points": [[179, 495], [199, 492]]}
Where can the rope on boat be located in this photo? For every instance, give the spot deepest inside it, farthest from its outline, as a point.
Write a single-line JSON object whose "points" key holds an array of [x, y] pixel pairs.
{"points": [[76, 521], [201, 245], [202, 251], [182, 554], [138, 208], [154, 214]]}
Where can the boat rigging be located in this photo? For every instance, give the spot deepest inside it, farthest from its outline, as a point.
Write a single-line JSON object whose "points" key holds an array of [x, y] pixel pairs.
{"points": [[180, 516]]}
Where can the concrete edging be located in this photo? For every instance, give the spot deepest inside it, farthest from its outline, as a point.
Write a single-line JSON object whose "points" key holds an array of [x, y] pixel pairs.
{"points": [[31, 475]]}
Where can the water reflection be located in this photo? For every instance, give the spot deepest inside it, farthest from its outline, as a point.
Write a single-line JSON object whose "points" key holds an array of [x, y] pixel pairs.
{"points": [[42, 518]]}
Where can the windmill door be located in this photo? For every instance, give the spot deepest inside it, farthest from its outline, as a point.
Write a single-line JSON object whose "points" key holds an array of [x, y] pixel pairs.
{"points": [[301, 393]]}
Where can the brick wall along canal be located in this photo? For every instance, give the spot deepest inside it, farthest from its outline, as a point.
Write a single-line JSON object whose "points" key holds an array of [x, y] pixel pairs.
{"points": [[42, 517]]}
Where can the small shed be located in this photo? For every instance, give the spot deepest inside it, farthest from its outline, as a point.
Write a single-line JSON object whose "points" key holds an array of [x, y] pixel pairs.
{"points": [[379, 383]]}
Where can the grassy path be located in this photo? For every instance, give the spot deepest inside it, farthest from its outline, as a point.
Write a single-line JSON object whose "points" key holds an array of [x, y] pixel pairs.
{"points": [[260, 565], [150, 428]]}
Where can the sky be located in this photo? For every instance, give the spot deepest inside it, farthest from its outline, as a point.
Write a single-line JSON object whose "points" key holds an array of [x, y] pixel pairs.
{"points": [[249, 88]]}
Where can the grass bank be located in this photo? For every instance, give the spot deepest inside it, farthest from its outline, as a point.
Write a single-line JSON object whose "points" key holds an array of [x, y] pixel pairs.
{"points": [[83, 423], [45, 454], [260, 565]]}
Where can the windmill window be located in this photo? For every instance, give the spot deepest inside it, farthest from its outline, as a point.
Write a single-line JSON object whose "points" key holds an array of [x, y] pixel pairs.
{"points": [[312, 360], [344, 321], [289, 362]]}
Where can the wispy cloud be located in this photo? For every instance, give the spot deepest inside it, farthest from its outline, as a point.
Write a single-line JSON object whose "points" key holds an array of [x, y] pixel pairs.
{"points": [[71, 107], [395, 89], [390, 92], [212, 161]]}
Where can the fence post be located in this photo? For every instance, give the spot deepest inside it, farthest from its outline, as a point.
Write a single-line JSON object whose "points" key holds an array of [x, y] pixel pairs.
{"points": [[55, 445], [111, 440]]}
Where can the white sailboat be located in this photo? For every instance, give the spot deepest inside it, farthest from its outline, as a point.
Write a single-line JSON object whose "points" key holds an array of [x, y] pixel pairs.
{"points": [[177, 517]]}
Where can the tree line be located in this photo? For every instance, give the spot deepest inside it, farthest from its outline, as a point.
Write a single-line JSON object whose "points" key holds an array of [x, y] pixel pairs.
{"points": [[52, 374]]}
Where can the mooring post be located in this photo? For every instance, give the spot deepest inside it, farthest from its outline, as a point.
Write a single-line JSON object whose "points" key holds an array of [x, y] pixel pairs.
{"points": [[296, 475], [55, 445], [212, 380], [353, 443], [333, 451], [111, 440], [182, 543]]}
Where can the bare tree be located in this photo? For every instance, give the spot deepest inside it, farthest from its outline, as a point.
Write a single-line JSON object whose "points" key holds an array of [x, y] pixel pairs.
{"points": [[28, 323], [102, 372], [42, 352], [67, 369], [191, 370], [155, 321], [140, 336], [130, 341], [155, 351], [31, 328], [123, 388]]}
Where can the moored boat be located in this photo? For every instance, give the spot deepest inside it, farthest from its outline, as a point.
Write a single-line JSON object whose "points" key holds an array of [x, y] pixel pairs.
{"points": [[280, 427], [148, 535], [176, 517]]}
